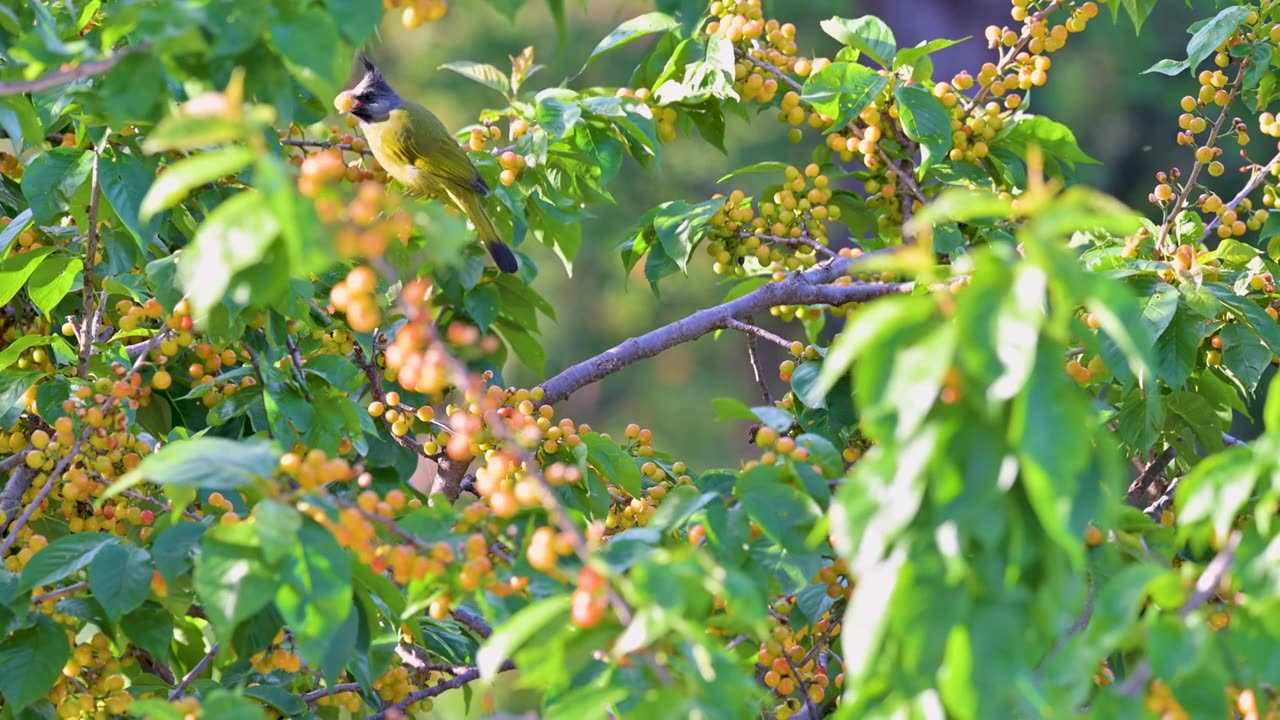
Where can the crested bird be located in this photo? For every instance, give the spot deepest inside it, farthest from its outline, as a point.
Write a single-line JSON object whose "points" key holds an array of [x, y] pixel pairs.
{"points": [[416, 149]]}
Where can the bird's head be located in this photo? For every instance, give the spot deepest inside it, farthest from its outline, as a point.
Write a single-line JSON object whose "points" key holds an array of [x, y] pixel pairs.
{"points": [[372, 99]]}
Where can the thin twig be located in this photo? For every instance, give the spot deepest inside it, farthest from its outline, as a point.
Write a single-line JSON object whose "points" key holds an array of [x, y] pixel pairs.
{"points": [[476, 623], [13, 461], [35, 504], [776, 71], [802, 686], [457, 681], [755, 331], [312, 696], [296, 357], [368, 365], [79, 72], [60, 592], [1205, 588], [66, 460], [195, 672], [803, 240], [1156, 509], [1003, 64], [1256, 180], [1190, 185]]}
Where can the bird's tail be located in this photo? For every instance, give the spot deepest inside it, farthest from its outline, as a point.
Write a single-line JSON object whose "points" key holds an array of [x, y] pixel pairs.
{"points": [[501, 253]]}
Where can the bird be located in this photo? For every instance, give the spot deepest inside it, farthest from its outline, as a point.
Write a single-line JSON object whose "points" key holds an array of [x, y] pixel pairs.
{"points": [[416, 149]]}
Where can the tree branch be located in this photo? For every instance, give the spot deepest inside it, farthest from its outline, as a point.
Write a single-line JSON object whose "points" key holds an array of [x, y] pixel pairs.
{"points": [[754, 358], [88, 326], [755, 331], [812, 287], [61, 77], [396, 710], [1255, 181], [1206, 587], [195, 672]]}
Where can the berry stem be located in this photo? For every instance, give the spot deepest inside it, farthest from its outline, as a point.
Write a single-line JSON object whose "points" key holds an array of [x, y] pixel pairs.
{"points": [[1003, 63], [1255, 181], [1190, 185], [904, 177], [794, 242]]}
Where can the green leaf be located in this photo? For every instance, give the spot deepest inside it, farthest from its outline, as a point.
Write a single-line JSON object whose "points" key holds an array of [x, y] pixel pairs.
{"points": [[612, 462], [120, 579], [62, 557], [279, 698], [767, 166], [182, 132], [15, 270], [487, 75], [728, 409], [307, 41], [558, 112], [173, 185], [314, 596], [843, 90], [278, 525], [517, 630], [31, 661], [1214, 33], [21, 121], [1054, 138], [955, 677], [231, 580], [134, 87], [52, 178], [681, 226], [52, 280], [1176, 348], [233, 237], [10, 232], [359, 20], [525, 345], [926, 121], [784, 512], [868, 34], [175, 546], [1168, 67], [910, 56], [125, 179], [630, 31], [868, 327], [804, 382], [211, 463], [1216, 488]]}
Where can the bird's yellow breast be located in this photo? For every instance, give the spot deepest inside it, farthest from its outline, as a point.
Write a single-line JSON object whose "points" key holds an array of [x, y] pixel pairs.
{"points": [[393, 146]]}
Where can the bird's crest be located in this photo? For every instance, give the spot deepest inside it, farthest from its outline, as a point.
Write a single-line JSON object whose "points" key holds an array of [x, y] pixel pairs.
{"points": [[369, 68]]}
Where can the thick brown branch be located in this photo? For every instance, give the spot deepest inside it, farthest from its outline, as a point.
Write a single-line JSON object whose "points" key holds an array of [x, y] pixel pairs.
{"points": [[812, 287], [62, 77]]}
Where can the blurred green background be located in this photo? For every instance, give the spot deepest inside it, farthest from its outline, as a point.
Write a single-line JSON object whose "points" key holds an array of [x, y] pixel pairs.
{"points": [[1124, 119]]}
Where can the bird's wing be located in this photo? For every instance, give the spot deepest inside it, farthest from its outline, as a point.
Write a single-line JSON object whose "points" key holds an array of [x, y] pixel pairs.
{"points": [[425, 144]]}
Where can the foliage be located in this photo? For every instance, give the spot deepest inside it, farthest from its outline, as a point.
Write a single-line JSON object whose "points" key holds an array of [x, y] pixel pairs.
{"points": [[260, 459]]}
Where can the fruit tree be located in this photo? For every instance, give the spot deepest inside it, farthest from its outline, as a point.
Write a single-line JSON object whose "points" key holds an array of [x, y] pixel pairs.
{"points": [[259, 458]]}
